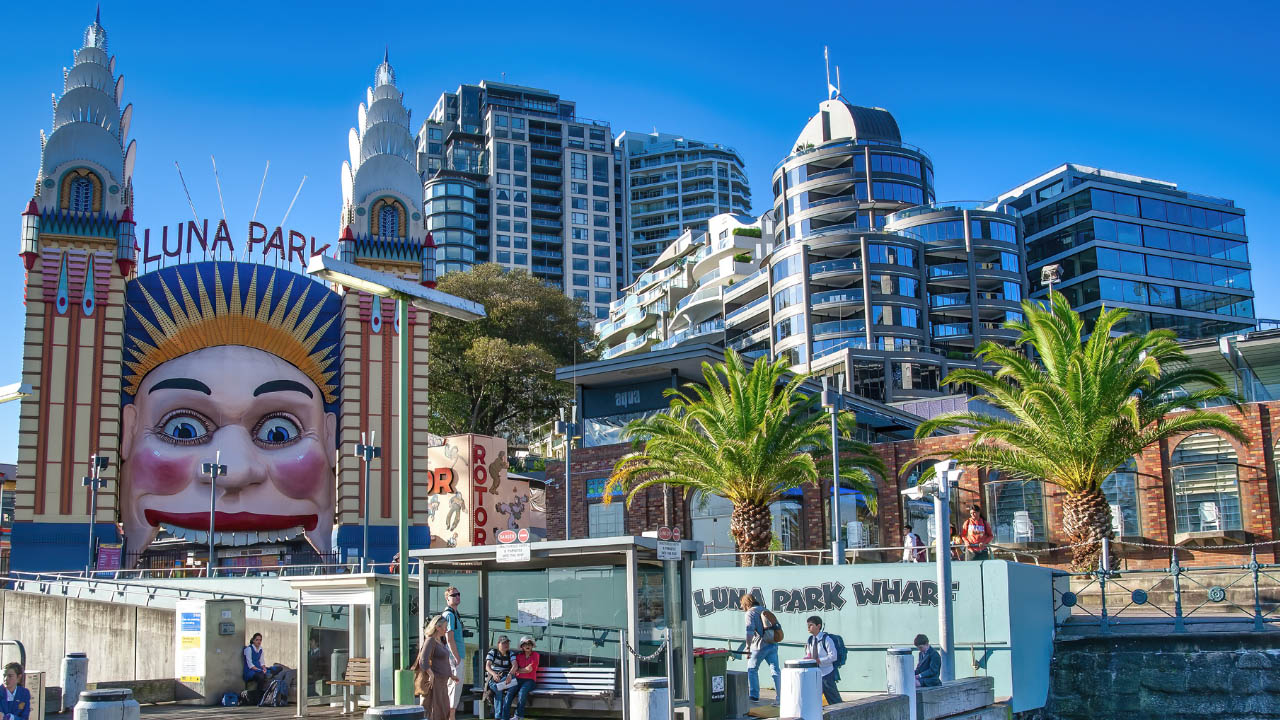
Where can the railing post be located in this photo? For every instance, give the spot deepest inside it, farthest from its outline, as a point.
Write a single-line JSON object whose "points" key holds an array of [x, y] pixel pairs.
{"points": [[1257, 599], [1176, 572], [1102, 584]]}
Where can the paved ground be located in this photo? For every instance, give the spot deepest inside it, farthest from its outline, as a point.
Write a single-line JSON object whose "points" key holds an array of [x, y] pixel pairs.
{"points": [[188, 712]]}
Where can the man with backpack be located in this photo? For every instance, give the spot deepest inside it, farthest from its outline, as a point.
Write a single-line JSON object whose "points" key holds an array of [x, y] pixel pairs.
{"points": [[830, 653], [763, 635]]}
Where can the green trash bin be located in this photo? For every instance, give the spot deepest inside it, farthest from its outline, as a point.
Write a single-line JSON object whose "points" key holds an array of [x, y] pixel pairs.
{"points": [[710, 699]]}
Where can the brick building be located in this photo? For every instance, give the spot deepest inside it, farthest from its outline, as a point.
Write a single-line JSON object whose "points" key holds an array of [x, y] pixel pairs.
{"points": [[1198, 490]]}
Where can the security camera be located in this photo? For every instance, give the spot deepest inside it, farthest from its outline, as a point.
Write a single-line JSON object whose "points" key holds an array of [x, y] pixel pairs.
{"points": [[915, 492]]}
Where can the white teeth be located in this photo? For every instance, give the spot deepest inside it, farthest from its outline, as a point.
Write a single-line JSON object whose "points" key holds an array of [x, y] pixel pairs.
{"points": [[232, 539]]}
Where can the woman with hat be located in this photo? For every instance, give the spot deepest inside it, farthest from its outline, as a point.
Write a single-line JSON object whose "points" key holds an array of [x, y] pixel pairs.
{"points": [[526, 673]]}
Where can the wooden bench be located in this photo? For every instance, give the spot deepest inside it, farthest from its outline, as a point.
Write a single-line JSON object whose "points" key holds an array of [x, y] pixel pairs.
{"points": [[577, 688], [356, 675]]}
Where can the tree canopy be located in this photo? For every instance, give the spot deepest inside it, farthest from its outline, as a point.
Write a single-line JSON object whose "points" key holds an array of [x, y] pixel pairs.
{"points": [[496, 376]]}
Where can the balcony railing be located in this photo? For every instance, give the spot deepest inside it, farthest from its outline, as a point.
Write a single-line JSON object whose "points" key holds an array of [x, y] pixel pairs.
{"points": [[951, 329], [948, 299], [843, 265], [703, 294], [836, 327], [836, 296], [948, 270], [746, 309]]}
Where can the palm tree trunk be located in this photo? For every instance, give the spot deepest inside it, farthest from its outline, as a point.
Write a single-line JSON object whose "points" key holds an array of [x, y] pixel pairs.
{"points": [[751, 527], [1086, 518]]}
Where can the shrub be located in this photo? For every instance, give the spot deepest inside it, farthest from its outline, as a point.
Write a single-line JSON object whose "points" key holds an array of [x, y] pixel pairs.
{"points": [[748, 232]]}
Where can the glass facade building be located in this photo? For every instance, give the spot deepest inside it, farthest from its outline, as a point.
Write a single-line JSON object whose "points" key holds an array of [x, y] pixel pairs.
{"points": [[515, 176], [675, 184], [1177, 260]]}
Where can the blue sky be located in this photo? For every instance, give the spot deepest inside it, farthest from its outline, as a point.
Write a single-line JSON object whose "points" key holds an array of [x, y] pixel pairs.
{"points": [[997, 93]]}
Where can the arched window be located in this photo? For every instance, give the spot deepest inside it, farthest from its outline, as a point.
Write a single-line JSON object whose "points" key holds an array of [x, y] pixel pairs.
{"points": [[1206, 488], [388, 222], [711, 515], [81, 195], [787, 533], [1121, 489], [1017, 509]]}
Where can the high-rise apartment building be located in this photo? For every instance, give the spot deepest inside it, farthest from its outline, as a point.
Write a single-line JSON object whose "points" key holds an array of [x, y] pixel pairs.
{"points": [[515, 176], [855, 273], [675, 184], [1176, 259]]}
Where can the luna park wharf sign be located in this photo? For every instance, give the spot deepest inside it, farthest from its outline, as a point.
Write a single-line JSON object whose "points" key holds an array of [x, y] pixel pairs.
{"points": [[190, 237], [829, 596]]}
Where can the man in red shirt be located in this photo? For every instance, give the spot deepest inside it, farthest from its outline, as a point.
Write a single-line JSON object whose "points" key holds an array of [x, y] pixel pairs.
{"points": [[976, 533]]}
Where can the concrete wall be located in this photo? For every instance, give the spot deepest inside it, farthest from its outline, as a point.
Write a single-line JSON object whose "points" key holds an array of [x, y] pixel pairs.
{"points": [[1169, 676], [1003, 617], [123, 642]]}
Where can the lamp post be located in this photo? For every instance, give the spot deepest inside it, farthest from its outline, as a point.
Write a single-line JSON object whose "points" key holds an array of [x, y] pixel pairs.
{"points": [[945, 473], [568, 429], [832, 400], [427, 299], [213, 470], [368, 453], [94, 481]]}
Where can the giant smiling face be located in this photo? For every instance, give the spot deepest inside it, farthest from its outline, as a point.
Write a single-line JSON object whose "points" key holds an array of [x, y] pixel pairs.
{"points": [[266, 418]]}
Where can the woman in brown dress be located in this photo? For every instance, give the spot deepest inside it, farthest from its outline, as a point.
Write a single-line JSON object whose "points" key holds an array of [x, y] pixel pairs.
{"points": [[432, 670]]}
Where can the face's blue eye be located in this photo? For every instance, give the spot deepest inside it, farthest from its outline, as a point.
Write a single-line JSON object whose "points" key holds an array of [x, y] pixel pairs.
{"points": [[185, 428], [277, 430]]}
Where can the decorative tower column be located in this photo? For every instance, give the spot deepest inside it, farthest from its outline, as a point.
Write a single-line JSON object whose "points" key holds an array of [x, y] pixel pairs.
{"points": [[76, 226], [382, 228]]}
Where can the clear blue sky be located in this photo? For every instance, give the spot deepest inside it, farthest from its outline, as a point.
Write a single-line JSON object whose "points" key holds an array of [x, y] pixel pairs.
{"points": [[997, 93]]}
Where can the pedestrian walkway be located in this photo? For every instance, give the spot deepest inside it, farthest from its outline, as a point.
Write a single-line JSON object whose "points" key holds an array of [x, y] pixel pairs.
{"points": [[194, 712]]}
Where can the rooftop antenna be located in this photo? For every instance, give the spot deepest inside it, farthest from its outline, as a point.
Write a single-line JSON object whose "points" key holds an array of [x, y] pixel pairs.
{"points": [[838, 81], [194, 216], [826, 60], [291, 202], [218, 183]]}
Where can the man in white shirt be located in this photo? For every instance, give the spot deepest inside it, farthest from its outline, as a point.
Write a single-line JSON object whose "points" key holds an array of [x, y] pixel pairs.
{"points": [[913, 547], [822, 648]]}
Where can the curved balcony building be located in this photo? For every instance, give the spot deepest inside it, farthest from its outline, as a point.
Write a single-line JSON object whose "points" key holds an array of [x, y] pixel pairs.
{"points": [[451, 217]]}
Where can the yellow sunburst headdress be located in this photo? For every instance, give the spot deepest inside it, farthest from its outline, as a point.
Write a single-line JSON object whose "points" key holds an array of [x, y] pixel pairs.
{"points": [[234, 304]]}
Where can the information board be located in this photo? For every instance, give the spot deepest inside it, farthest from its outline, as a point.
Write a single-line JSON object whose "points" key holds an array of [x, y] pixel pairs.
{"points": [[533, 613], [189, 640]]}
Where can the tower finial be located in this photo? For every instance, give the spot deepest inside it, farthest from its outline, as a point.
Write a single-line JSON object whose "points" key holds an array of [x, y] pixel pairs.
{"points": [[386, 54], [97, 14]]}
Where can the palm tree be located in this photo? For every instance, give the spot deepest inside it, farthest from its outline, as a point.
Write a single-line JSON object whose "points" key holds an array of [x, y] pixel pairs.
{"points": [[748, 435], [1082, 410]]}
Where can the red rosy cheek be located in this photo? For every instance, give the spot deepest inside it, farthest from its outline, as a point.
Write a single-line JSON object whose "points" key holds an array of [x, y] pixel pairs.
{"points": [[161, 471], [303, 472]]}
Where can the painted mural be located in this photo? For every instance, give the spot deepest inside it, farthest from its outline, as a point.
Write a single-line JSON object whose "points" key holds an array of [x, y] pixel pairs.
{"points": [[473, 498], [234, 362]]}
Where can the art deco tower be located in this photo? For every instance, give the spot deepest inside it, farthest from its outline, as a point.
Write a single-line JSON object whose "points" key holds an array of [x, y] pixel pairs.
{"points": [[77, 246], [381, 228]]}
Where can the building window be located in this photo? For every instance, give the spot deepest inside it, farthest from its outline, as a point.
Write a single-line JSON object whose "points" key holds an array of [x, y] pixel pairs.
{"points": [[604, 520], [786, 524], [1017, 509], [1121, 490], [81, 195], [1206, 489]]}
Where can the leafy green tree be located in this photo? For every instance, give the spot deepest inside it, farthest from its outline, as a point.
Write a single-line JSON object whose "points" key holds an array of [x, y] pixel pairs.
{"points": [[748, 435], [496, 376], [1082, 409]]}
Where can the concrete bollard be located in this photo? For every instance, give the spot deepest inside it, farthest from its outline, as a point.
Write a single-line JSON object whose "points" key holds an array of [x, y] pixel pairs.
{"points": [[649, 698], [900, 672], [400, 712], [115, 704], [75, 677], [801, 695]]}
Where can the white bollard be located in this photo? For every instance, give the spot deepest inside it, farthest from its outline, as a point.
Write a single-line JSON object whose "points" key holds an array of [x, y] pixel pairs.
{"points": [[75, 677], [801, 695], [900, 673], [116, 704], [649, 698]]}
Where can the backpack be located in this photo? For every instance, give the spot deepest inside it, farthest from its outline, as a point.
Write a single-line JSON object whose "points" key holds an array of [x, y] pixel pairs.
{"points": [[842, 653], [277, 694], [772, 629], [250, 697], [230, 699]]}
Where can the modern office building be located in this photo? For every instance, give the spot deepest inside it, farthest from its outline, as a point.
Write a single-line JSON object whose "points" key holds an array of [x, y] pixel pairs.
{"points": [[1176, 259], [858, 274], [515, 176], [675, 184]]}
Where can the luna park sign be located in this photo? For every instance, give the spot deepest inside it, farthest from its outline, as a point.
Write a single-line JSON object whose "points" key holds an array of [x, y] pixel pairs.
{"points": [[828, 596], [193, 237]]}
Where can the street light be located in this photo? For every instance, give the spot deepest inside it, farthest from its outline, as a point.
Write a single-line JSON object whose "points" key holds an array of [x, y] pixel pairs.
{"points": [[1050, 274], [569, 430], [406, 293], [945, 474], [368, 453], [94, 481], [213, 470], [832, 400]]}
